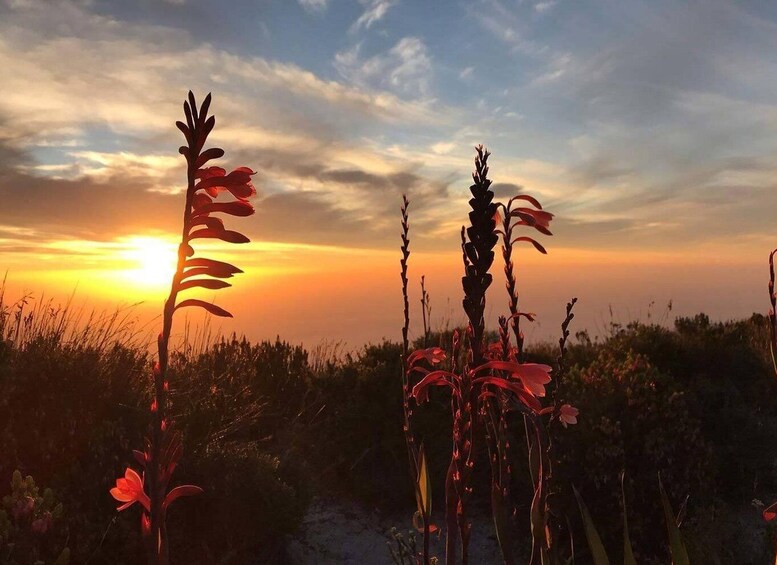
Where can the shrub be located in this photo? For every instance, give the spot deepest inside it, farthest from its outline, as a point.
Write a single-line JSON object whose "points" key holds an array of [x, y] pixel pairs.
{"points": [[32, 531], [637, 419], [250, 503]]}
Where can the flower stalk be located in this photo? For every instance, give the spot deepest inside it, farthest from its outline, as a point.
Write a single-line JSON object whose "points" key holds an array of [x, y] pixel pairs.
{"points": [[164, 447]]}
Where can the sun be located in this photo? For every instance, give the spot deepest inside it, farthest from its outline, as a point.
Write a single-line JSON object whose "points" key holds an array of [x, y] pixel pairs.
{"points": [[151, 260]]}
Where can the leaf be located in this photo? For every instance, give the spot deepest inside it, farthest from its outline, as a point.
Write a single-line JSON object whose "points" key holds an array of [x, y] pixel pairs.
{"points": [[536, 244], [424, 485], [537, 511], [499, 512], [224, 235], [212, 308], [594, 541], [628, 552], [178, 492], [204, 283], [207, 155], [676, 546]]}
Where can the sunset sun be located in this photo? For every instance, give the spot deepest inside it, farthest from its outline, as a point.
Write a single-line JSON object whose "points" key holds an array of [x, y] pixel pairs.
{"points": [[150, 260]]}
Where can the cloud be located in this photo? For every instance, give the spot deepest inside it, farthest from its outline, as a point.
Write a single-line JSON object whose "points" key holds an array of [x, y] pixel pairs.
{"points": [[374, 11], [544, 7], [406, 68], [315, 6], [85, 71]]}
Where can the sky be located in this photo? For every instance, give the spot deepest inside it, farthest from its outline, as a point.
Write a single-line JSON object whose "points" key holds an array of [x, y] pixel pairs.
{"points": [[649, 128]]}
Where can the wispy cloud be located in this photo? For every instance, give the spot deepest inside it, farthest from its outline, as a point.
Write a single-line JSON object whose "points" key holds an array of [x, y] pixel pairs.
{"points": [[406, 68], [546, 6], [316, 6], [374, 11]]}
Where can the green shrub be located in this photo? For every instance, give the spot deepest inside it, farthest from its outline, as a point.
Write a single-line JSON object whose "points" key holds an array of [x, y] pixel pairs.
{"points": [[251, 502], [32, 529], [633, 418]]}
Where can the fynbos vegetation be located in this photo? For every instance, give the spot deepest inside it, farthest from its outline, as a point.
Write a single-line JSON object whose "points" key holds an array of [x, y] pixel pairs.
{"points": [[622, 441]]}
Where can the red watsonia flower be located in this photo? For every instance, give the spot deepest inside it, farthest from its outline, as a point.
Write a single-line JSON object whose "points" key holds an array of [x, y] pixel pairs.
{"points": [[532, 377], [129, 490], [433, 355], [568, 414]]}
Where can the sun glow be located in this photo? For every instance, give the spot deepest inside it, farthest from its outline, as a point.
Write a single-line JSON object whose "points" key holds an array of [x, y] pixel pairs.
{"points": [[151, 260]]}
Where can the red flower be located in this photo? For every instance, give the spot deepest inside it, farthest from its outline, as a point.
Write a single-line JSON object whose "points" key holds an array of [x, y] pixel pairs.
{"points": [[130, 490], [568, 414], [433, 355], [534, 377]]}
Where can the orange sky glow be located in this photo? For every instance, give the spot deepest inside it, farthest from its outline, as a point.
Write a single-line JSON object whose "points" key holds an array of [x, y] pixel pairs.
{"points": [[318, 294], [656, 157]]}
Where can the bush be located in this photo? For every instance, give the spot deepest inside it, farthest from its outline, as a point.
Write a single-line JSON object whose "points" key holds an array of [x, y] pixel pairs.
{"points": [[636, 419], [32, 530], [251, 502]]}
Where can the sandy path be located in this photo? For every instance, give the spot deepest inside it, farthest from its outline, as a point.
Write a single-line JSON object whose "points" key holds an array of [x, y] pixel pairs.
{"points": [[334, 532]]}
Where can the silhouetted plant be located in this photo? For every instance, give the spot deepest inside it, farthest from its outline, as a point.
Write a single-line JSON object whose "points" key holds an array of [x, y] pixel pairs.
{"points": [[770, 512], [164, 448], [491, 381], [419, 469]]}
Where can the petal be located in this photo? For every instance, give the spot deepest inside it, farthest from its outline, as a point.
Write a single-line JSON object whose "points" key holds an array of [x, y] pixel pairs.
{"points": [[238, 208], [121, 495], [212, 284], [178, 492], [134, 482], [534, 372], [210, 172], [224, 235], [125, 506], [534, 388], [212, 308], [770, 512], [435, 378]]}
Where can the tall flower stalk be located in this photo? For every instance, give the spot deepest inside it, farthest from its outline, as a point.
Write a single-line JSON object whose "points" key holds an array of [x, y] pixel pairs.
{"points": [[770, 512], [419, 473], [164, 448], [492, 381]]}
